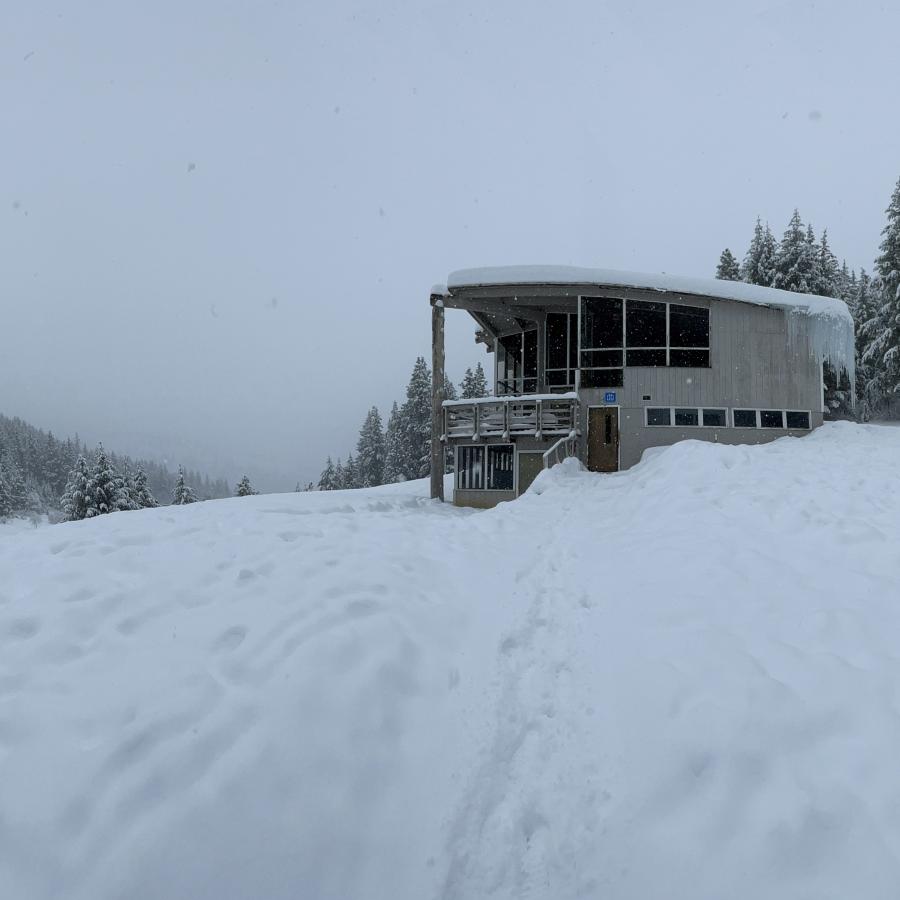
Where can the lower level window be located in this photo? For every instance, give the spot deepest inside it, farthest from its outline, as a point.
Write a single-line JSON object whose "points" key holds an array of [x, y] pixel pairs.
{"points": [[744, 418], [714, 418], [797, 419], [771, 418], [659, 416], [687, 417], [490, 468]]}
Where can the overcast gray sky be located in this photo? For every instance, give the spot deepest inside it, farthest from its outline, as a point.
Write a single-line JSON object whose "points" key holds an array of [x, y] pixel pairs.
{"points": [[220, 221]]}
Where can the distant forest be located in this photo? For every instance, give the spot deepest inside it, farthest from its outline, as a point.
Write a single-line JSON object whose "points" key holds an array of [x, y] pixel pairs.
{"points": [[35, 467]]}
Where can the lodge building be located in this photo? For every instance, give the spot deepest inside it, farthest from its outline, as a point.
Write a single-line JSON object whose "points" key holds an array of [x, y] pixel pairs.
{"points": [[602, 365]]}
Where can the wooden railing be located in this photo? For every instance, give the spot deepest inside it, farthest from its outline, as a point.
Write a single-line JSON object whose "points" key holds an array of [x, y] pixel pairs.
{"points": [[564, 448], [533, 415]]}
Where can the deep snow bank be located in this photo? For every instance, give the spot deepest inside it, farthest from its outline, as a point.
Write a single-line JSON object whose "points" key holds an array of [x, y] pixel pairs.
{"points": [[678, 681]]}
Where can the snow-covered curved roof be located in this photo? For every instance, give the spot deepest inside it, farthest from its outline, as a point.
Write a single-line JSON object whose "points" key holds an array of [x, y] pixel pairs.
{"points": [[811, 304]]}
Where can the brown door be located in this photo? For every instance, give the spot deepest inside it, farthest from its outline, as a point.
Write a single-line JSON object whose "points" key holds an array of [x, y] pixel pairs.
{"points": [[603, 439]]}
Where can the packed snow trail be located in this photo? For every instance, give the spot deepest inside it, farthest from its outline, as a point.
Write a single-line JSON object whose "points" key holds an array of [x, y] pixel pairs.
{"points": [[681, 681]]}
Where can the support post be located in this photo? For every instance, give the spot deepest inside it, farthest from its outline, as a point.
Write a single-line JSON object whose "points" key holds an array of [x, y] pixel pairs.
{"points": [[437, 397]]}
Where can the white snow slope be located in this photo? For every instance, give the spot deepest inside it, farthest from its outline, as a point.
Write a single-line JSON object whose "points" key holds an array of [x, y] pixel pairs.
{"points": [[680, 681]]}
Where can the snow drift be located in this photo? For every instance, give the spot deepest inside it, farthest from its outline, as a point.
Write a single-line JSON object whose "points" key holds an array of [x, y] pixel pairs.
{"points": [[679, 681]]}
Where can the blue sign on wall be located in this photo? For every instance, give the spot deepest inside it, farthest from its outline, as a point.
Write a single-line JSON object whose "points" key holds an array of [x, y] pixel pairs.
{"points": [[609, 397]]}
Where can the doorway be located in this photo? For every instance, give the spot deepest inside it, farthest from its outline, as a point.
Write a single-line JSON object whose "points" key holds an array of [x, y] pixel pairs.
{"points": [[603, 439]]}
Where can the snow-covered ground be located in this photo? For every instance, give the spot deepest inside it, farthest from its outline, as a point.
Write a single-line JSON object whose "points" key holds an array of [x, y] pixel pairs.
{"points": [[681, 681]]}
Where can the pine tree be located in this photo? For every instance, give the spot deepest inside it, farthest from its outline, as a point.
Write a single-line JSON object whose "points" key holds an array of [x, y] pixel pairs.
{"points": [[795, 262], [728, 268], [103, 490], [183, 493], [328, 478], [5, 498], [474, 384], [415, 423], [828, 275], [74, 501], [759, 263], [340, 476], [15, 488], [350, 477], [244, 488], [883, 329], [141, 493], [370, 451], [393, 449]]}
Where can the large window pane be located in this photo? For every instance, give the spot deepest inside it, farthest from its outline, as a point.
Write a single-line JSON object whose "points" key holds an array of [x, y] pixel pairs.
{"points": [[470, 468], [661, 416], [744, 418], [601, 359], [689, 359], [714, 418], [500, 467], [601, 322], [770, 418], [601, 378], [688, 326], [645, 325], [557, 341], [797, 419], [517, 363], [530, 354], [687, 417], [645, 357]]}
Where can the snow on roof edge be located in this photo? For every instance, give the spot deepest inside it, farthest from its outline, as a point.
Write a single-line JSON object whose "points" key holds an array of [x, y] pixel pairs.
{"points": [[811, 304]]}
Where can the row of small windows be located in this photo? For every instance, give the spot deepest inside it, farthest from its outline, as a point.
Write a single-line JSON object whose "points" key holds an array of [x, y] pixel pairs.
{"points": [[616, 333], [485, 468], [688, 417]]}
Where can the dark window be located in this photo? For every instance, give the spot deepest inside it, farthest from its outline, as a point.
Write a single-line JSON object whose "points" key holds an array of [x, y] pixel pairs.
{"points": [[744, 418], [687, 417], [646, 357], [500, 467], [517, 363], [797, 419], [601, 378], [601, 359], [771, 418], [473, 475], [601, 323], [558, 378], [645, 326], [688, 326], [661, 416], [557, 341], [689, 359], [470, 468], [714, 418]]}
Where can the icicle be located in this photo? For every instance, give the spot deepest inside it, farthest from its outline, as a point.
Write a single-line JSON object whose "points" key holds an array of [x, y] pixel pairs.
{"points": [[829, 338]]}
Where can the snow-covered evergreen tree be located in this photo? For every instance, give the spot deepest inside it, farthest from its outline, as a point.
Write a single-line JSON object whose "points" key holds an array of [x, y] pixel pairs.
{"points": [[882, 331], [795, 262], [244, 488], [370, 450], [182, 493], [103, 494], [328, 478], [728, 268], [74, 501], [141, 493], [474, 384], [759, 263], [393, 448], [350, 478], [415, 423], [828, 274], [5, 499], [14, 484], [340, 476]]}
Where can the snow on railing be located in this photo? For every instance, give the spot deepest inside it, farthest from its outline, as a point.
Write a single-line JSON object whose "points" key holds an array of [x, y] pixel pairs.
{"points": [[564, 448], [535, 415]]}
